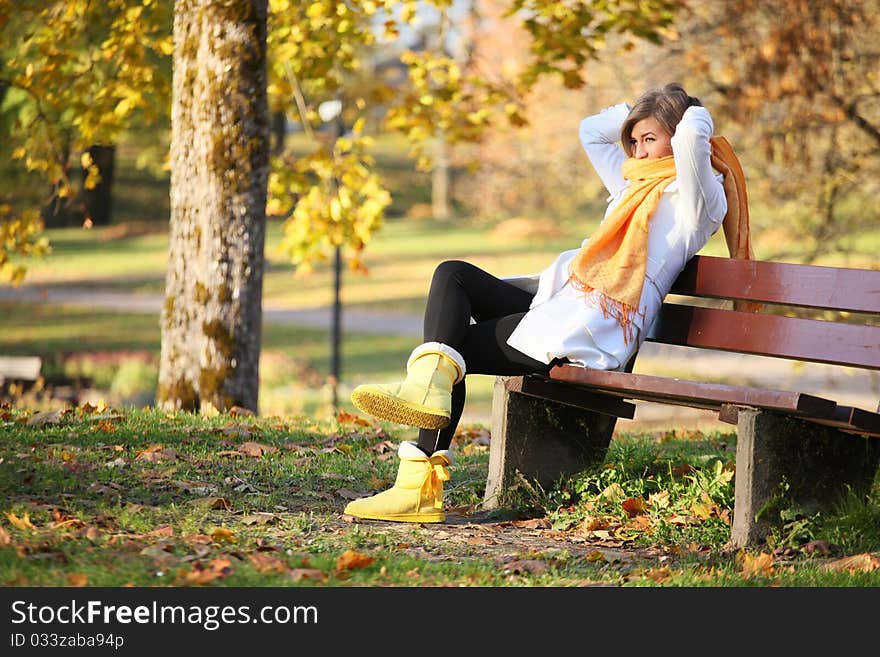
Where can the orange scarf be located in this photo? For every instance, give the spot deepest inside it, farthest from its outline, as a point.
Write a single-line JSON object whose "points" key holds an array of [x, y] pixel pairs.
{"points": [[614, 259]]}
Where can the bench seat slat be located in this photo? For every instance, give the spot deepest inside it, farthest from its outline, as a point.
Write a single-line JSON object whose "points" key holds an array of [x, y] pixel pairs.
{"points": [[538, 386], [707, 395], [813, 340], [811, 286]]}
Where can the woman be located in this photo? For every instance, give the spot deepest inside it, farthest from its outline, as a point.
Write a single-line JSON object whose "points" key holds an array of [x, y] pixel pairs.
{"points": [[593, 305]]}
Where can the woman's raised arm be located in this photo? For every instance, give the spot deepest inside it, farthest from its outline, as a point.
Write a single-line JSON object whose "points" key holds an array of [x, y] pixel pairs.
{"points": [[600, 137], [702, 196]]}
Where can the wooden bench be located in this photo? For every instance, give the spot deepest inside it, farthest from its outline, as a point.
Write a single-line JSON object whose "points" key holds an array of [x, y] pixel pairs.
{"points": [[545, 427]]}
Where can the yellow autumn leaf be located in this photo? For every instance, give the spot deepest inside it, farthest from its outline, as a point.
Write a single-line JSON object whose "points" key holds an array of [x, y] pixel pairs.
{"points": [[760, 565], [165, 46], [223, 535], [208, 409], [21, 523]]}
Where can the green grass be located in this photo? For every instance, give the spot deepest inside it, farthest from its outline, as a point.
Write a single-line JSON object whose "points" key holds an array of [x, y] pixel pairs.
{"points": [[145, 498]]}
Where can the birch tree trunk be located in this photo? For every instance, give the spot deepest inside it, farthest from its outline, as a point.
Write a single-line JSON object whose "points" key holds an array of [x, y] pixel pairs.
{"points": [[212, 316]]}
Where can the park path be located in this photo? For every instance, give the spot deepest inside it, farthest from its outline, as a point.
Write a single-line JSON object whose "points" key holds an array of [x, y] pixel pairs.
{"points": [[844, 385]]}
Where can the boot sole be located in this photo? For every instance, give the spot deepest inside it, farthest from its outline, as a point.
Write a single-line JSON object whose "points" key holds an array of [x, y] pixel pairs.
{"points": [[392, 409], [415, 517]]}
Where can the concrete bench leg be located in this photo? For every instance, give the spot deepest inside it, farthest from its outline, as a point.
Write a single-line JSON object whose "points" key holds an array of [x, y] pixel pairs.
{"points": [[543, 440], [820, 465]]}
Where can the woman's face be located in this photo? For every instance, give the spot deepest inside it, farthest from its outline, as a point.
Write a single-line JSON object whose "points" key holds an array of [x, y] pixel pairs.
{"points": [[650, 140]]}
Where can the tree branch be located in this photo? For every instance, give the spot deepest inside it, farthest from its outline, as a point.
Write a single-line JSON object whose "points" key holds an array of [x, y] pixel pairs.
{"points": [[852, 113]]}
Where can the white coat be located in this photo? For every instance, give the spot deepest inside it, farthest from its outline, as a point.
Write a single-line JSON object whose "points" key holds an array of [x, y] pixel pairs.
{"points": [[562, 322]]}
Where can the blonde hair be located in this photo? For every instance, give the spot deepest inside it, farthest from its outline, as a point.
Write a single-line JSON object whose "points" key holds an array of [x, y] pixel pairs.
{"points": [[666, 105]]}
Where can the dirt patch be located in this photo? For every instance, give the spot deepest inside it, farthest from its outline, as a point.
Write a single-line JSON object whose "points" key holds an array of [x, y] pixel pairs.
{"points": [[516, 545]]}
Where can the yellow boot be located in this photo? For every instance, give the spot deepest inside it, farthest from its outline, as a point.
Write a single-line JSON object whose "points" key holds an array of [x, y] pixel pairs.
{"points": [[424, 398], [417, 494]]}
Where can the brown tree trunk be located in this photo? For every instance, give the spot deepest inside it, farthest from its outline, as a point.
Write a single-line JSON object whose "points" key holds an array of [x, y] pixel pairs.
{"points": [[212, 316]]}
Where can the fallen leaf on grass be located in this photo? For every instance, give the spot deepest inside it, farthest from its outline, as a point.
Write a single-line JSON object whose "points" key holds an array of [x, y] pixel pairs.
{"points": [[266, 563], [761, 565], [156, 454], [344, 417], [299, 574], [77, 579], [633, 506], [21, 523], [222, 535], [197, 539], [383, 447], [5, 538], [659, 500], [592, 524], [205, 574], [105, 426], [639, 523], [612, 493], [349, 560], [46, 418], [214, 503], [659, 575], [256, 450], [238, 411], [167, 530], [260, 518], [857, 563], [64, 521]]}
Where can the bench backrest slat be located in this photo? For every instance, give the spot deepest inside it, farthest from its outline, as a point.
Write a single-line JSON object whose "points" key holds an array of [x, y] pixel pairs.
{"points": [[813, 286], [769, 335]]}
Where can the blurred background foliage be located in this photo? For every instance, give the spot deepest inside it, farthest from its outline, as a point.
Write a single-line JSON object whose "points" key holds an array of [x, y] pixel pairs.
{"points": [[479, 100]]}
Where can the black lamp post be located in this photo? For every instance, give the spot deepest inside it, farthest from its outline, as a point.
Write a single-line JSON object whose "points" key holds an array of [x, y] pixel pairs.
{"points": [[331, 113]]}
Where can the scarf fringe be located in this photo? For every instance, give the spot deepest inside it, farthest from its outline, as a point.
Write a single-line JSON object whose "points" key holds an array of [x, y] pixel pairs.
{"points": [[623, 313]]}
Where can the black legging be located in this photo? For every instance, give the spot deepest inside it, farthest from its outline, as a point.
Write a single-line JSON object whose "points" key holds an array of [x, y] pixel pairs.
{"points": [[459, 291]]}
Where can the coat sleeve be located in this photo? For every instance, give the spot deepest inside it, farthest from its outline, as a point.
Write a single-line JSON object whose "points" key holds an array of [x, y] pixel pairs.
{"points": [[600, 137], [701, 194]]}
